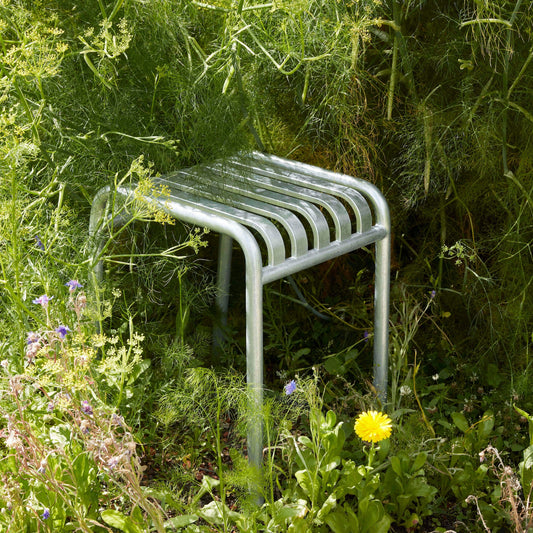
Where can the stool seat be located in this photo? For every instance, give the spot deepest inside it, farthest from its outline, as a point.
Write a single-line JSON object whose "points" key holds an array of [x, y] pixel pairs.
{"points": [[287, 216]]}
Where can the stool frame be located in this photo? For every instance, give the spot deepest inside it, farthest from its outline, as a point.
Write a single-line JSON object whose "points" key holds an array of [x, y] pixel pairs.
{"points": [[261, 188]]}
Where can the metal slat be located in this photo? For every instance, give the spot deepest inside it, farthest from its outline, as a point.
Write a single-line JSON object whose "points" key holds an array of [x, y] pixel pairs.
{"points": [[339, 215], [290, 222], [258, 163], [270, 234], [314, 217]]}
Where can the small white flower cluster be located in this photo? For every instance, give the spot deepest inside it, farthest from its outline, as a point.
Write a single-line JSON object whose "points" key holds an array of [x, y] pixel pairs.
{"points": [[405, 390]]}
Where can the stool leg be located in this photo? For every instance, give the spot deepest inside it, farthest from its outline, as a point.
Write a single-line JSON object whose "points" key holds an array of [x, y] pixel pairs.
{"points": [[381, 317], [223, 282], [254, 365]]}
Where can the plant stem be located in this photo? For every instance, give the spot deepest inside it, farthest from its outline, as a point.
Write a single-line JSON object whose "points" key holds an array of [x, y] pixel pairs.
{"points": [[505, 84]]}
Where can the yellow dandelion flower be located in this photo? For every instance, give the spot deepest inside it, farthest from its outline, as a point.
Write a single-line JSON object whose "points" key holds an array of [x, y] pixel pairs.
{"points": [[372, 426]]}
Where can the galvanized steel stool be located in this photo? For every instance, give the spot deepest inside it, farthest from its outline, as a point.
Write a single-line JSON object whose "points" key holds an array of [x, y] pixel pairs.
{"points": [[300, 214]]}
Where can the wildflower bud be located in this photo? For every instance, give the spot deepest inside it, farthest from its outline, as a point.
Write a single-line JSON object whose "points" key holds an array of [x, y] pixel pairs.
{"points": [[81, 301], [13, 441], [42, 300], [405, 390], [50, 407], [32, 350], [42, 467], [117, 420], [86, 408], [84, 427], [113, 462], [38, 242], [32, 337], [16, 385], [131, 448]]}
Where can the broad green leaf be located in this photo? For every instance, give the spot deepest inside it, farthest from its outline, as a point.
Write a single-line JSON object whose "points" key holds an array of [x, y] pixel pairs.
{"points": [[526, 471], [331, 418], [419, 462], [306, 441], [327, 507], [60, 435], [396, 465], [306, 483], [120, 521], [181, 521], [460, 421], [485, 425], [214, 512], [340, 521]]}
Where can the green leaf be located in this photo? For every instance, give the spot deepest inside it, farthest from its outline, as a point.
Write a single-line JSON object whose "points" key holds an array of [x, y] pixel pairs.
{"points": [[372, 517], [340, 521], [485, 425], [306, 483], [214, 512], [137, 370], [419, 462], [120, 521], [333, 366], [181, 521], [60, 435], [526, 470], [306, 441], [396, 465], [327, 507], [331, 418], [460, 421]]}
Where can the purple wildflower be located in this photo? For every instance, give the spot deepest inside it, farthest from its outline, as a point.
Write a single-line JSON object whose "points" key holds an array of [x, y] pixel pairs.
{"points": [[433, 294], [290, 387], [32, 337], [38, 242], [86, 407], [73, 284], [43, 300], [50, 407], [366, 335], [62, 330], [46, 513], [42, 468]]}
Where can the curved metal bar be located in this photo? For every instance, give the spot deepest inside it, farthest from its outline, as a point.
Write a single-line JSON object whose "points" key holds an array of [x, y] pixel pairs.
{"points": [[254, 299], [290, 222], [308, 179], [382, 271], [245, 175], [304, 207], [270, 234]]}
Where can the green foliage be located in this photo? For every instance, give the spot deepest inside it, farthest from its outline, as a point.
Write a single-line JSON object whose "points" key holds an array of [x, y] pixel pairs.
{"points": [[432, 101]]}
